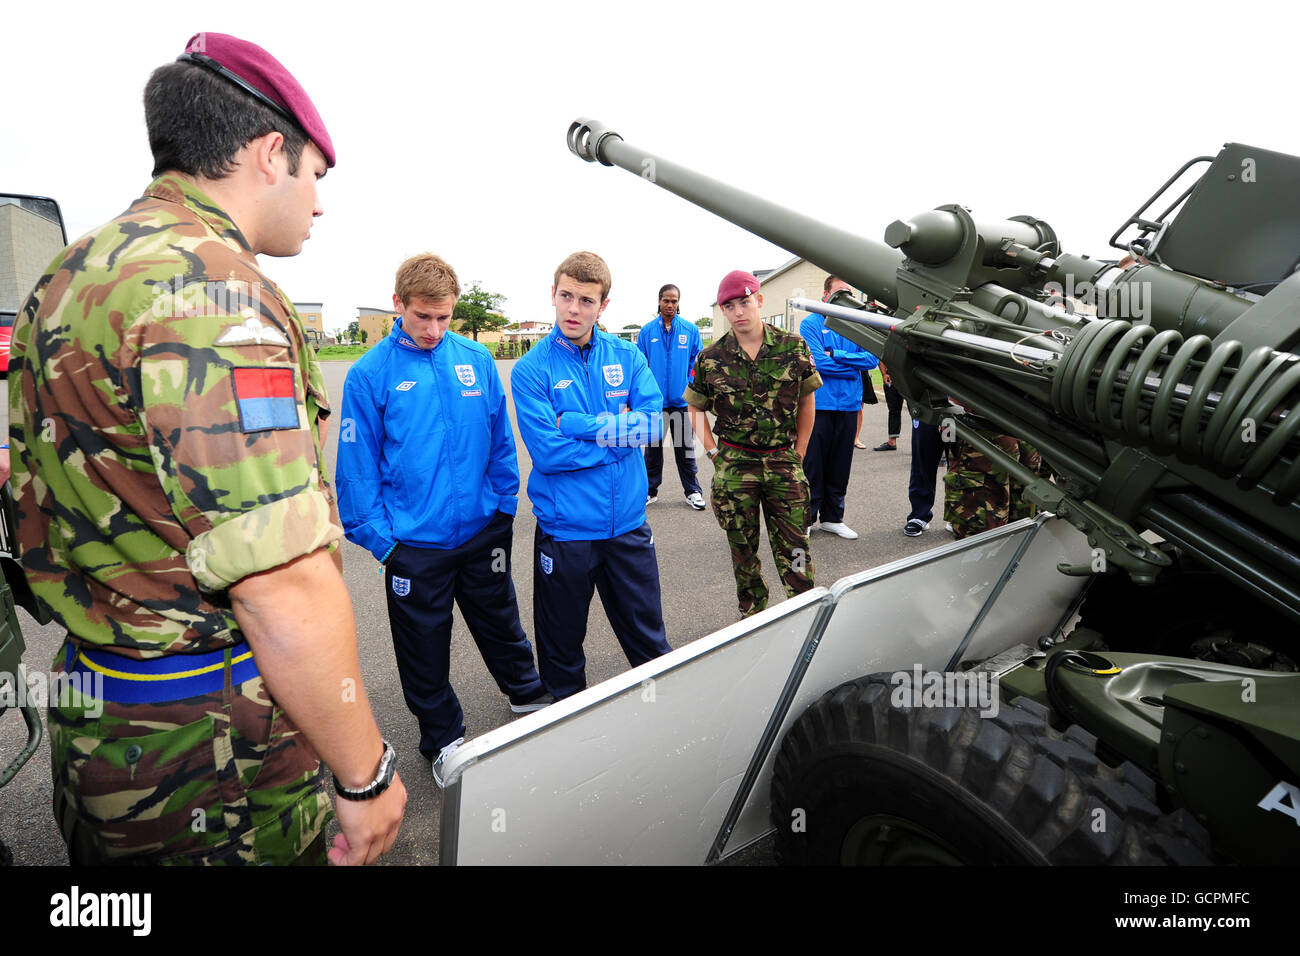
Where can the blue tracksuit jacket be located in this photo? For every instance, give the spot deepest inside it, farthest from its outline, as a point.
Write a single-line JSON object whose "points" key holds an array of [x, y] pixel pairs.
{"points": [[841, 371], [426, 452], [587, 481], [671, 356]]}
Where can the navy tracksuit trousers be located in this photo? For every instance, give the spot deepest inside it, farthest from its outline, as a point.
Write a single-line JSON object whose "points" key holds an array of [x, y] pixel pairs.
{"points": [[625, 572], [422, 584], [894, 402], [927, 447], [828, 462], [678, 433]]}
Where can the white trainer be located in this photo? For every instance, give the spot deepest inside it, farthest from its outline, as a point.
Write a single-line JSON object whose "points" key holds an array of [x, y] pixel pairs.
{"points": [[695, 500], [443, 756], [839, 528]]}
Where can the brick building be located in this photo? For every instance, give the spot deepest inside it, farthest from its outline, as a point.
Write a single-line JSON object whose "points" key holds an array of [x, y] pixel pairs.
{"points": [[797, 278]]}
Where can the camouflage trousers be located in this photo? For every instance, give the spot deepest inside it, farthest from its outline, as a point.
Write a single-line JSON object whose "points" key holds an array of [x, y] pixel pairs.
{"points": [[978, 495], [223, 778], [742, 484]]}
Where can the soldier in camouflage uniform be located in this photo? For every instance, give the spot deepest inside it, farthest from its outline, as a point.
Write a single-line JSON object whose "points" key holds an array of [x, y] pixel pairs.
{"points": [[759, 383], [978, 495], [173, 512]]}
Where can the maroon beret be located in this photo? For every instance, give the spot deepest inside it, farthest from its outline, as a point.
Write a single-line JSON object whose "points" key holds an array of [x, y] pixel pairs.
{"points": [[261, 75], [736, 284]]}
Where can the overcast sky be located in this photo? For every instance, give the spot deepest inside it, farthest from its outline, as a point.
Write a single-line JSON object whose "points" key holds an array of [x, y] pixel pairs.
{"points": [[449, 123]]}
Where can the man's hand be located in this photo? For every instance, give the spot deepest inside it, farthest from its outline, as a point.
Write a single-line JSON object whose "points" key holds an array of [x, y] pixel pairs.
{"points": [[806, 416], [298, 621], [369, 826]]}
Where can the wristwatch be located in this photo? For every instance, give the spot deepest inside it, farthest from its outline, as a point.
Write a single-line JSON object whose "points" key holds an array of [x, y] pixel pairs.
{"points": [[383, 779], [712, 453]]}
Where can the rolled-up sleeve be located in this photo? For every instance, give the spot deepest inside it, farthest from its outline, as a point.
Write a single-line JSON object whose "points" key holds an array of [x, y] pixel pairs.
{"points": [[227, 433]]}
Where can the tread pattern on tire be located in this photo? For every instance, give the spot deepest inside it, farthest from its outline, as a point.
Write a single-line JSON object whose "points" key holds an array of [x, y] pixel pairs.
{"points": [[1044, 785]]}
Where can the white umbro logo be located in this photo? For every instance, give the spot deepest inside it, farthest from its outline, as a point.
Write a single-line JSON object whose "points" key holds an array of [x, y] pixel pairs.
{"points": [[406, 386], [564, 384]]}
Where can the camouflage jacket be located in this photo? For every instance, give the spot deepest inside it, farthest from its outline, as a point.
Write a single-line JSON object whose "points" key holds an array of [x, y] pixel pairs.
{"points": [[755, 400], [164, 409]]}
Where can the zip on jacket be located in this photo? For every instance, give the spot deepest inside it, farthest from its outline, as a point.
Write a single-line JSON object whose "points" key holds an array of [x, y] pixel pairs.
{"points": [[426, 453], [671, 356], [587, 482], [841, 370]]}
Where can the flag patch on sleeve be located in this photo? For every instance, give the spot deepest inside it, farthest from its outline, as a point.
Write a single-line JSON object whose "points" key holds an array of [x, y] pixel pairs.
{"points": [[266, 398]]}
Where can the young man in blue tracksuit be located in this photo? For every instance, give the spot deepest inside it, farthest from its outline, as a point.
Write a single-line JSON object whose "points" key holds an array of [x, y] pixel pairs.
{"points": [[670, 344], [428, 483], [586, 401], [830, 450]]}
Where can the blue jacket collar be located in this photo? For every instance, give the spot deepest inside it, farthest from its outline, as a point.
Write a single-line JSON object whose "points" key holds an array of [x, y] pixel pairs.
{"points": [[406, 341], [563, 341]]}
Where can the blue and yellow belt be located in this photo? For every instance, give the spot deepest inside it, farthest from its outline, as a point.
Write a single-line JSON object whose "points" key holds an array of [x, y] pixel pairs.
{"points": [[127, 680]]}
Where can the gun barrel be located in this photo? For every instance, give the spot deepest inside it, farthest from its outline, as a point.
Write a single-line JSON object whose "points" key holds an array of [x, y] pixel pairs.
{"points": [[867, 265]]}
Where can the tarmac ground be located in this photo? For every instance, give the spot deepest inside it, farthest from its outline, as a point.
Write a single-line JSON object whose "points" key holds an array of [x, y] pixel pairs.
{"points": [[698, 593]]}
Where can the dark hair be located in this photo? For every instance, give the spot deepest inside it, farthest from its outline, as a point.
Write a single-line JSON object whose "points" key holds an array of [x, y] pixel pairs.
{"points": [[198, 121], [664, 289], [826, 286]]}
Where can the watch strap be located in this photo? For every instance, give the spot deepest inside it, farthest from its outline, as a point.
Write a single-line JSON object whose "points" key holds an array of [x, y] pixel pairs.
{"points": [[383, 779]]}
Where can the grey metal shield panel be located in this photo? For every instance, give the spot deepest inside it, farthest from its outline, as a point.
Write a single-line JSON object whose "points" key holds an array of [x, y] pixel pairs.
{"points": [[917, 611], [638, 769]]}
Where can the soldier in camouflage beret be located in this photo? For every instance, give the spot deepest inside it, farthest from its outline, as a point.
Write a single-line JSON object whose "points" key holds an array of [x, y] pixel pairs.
{"points": [[759, 383], [173, 510]]}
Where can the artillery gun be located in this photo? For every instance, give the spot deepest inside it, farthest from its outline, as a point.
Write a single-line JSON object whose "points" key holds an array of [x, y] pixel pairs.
{"points": [[1168, 412]]}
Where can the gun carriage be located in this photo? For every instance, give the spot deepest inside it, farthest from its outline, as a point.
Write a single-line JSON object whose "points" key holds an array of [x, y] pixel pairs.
{"points": [[1162, 389]]}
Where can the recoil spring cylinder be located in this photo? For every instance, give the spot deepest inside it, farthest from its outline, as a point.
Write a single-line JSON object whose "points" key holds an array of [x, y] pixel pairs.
{"points": [[1135, 358]]}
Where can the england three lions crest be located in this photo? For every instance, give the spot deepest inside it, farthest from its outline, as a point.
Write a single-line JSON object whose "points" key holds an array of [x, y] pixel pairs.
{"points": [[466, 374], [613, 374]]}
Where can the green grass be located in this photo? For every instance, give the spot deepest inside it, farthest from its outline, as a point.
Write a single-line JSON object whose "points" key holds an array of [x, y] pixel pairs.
{"points": [[342, 351]]}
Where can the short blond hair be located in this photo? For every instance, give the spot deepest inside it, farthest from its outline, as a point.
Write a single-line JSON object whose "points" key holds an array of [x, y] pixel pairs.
{"points": [[426, 276], [586, 267]]}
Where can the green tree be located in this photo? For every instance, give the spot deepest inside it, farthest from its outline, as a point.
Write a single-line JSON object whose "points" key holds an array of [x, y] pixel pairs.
{"points": [[385, 329], [353, 331], [478, 310], [362, 336]]}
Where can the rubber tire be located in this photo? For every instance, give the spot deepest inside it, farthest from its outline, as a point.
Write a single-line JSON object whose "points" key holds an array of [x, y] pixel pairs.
{"points": [[1002, 789]]}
